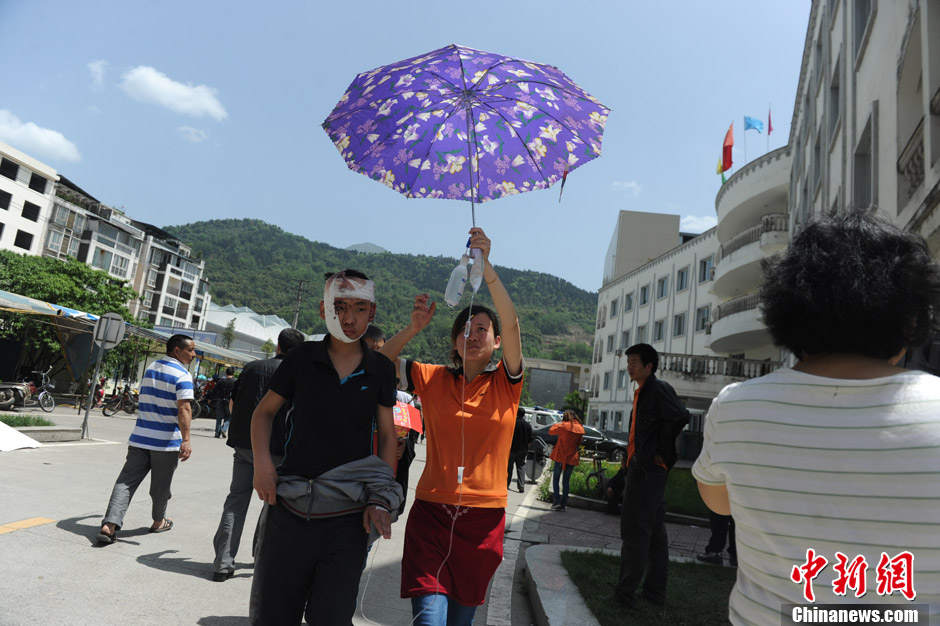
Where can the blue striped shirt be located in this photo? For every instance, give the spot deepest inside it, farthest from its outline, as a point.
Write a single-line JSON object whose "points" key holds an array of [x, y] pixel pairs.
{"points": [[165, 382]]}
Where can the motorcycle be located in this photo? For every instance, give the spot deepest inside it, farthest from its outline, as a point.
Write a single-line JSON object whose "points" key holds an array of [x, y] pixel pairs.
{"points": [[126, 400], [26, 393]]}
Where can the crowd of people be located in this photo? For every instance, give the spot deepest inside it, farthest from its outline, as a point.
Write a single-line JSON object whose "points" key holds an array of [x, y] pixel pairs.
{"points": [[832, 460]]}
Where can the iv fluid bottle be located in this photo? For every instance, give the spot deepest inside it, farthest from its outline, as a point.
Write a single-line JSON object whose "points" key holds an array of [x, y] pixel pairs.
{"points": [[476, 270], [458, 278]]}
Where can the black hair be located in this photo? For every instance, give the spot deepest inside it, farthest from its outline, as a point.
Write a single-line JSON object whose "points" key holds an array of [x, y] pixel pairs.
{"points": [[349, 274], [374, 333], [229, 371], [851, 283], [461, 323], [288, 338], [177, 341], [647, 354], [520, 413], [576, 413]]}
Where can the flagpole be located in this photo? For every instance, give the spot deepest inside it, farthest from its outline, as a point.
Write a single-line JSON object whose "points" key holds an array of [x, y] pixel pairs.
{"points": [[768, 127], [745, 141]]}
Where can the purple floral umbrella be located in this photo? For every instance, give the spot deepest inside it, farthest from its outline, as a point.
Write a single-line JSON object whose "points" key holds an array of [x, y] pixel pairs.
{"points": [[465, 124]]}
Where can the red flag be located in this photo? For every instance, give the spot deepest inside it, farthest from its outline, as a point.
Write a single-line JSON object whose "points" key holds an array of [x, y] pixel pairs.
{"points": [[770, 127], [726, 151]]}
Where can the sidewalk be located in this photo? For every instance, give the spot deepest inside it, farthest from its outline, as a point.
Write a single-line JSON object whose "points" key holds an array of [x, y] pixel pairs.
{"points": [[555, 599]]}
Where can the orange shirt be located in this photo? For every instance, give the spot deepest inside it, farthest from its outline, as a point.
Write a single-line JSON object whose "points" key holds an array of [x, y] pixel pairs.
{"points": [[565, 450], [469, 427]]}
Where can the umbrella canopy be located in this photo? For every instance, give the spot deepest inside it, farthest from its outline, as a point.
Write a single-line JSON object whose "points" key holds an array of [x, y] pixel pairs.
{"points": [[465, 124]]}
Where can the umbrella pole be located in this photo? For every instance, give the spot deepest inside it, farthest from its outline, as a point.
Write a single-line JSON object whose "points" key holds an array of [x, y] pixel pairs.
{"points": [[473, 212]]}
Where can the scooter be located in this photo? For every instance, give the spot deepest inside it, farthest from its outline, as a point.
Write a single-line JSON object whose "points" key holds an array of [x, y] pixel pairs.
{"points": [[25, 393]]}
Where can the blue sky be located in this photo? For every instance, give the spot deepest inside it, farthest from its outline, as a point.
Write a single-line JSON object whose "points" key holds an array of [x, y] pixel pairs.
{"points": [[186, 111]]}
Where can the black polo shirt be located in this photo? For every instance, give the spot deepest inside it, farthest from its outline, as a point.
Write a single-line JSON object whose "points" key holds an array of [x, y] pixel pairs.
{"points": [[330, 421]]}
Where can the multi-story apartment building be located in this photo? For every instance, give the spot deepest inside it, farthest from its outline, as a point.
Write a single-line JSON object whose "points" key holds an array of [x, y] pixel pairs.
{"points": [[26, 187], [174, 293], [71, 208]]}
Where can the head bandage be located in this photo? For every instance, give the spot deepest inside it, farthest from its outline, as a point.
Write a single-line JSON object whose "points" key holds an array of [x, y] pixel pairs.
{"points": [[342, 286]]}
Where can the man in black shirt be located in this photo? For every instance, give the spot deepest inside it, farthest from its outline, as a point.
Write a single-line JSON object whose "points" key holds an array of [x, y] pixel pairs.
{"points": [[521, 436], [313, 541], [222, 394], [249, 388]]}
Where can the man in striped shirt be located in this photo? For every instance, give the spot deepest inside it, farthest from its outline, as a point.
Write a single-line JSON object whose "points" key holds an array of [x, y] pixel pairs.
{"points": [[160, 439]]}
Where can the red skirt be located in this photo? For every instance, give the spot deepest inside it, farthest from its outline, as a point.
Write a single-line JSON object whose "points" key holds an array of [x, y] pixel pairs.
{"points": [[476, 552]]}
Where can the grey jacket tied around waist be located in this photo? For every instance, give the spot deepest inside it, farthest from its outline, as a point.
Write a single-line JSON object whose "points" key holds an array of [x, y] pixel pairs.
{"points": [[343, 490]]}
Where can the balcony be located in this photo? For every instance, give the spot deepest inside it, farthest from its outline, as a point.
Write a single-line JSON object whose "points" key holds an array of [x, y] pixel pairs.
{"points": [[757, 189], [911, 162], [738, 327], [738, 269]]}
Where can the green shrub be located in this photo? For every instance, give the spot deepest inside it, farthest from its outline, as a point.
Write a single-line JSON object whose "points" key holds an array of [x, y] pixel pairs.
{"points": [[19, 421]]}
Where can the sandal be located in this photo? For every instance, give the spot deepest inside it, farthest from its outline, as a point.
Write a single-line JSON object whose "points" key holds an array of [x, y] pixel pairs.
{"points": [[162, 528], [106, 538]]}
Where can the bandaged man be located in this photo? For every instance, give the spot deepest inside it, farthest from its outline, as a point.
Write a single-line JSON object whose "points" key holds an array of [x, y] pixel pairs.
{"points": [[330, 492]]}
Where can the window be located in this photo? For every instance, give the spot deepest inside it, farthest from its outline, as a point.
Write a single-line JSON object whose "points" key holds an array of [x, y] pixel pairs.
{"points": [[641, 334], [101, 259], [662, 287], [618, 419], [678, 325], [152, 278], [54, 241], [9, 169], [863, 15], [23, 240], [701, 318], [621, 379], [610, 343], [658, 330], [119, 266], [5, 200], [864, 172], [37, 183], [628, 302], [31, 211], [835, 100], [613, 307], [73, 247], [817, 161], [625, 340], [644, 295], [148, 298], [705, 269], [606, 380], [682, 279]]}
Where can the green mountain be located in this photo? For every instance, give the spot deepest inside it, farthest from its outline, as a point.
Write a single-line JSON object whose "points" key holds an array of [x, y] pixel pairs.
{"points": [[252, 263]]}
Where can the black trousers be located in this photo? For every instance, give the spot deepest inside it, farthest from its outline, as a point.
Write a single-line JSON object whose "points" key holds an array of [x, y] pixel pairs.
{"points": [[300, 564], [645, 548], [517, 459], [722, 527]]}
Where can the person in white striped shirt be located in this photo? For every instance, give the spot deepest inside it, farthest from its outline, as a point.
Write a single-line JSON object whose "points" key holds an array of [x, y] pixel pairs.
{"points": [[160, 439], [830, 468]]}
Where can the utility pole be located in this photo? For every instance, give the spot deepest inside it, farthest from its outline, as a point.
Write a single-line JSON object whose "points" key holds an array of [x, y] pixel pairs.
{"points": [[300, 293]]}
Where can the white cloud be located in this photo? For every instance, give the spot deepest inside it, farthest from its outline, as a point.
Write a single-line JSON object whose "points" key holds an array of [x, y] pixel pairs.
{"points": [[97, 69], [36, 140], [92, 110], [192, 134], [627, 185], [145, 84], [697, 223]]}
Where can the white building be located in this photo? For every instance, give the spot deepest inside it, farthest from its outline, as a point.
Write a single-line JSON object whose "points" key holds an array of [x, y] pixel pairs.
{"points": [[26, 190], [252, 330]]}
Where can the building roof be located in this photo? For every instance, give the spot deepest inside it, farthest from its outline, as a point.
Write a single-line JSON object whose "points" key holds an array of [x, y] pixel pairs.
{"points": [[247, 321]]}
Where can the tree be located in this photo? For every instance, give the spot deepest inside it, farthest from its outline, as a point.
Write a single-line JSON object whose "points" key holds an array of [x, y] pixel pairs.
{"points": [[574, 400], [68, 283], [268, 348], [228, 335]]}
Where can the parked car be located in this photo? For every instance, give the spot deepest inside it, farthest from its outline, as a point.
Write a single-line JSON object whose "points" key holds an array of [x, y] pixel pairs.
{"points": [[594, 440], [540, 417]]}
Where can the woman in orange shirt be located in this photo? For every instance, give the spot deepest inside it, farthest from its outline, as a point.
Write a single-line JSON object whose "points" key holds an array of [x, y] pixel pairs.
{"points": [[454, 534], [565, 454]]}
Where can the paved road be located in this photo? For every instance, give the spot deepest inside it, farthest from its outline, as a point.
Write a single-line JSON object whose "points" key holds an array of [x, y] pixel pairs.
{"points": [[52, 572]]}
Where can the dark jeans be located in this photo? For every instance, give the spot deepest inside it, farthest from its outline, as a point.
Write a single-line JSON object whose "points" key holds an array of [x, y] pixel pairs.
{"points": [[222, 417], [314, 564], [643, 531], [722, 527], [564, 471]]}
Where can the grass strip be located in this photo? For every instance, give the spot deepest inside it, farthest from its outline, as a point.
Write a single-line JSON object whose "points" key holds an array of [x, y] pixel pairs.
{"points": [[18, 421]]}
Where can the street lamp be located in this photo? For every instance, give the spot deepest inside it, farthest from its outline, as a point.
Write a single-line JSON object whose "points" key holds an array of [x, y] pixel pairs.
{"points": [[585, 395]]}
